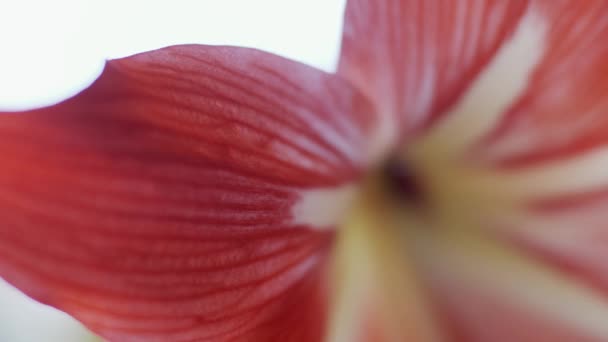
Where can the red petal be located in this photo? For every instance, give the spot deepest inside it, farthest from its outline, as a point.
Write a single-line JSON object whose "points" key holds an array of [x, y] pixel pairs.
{"points": [[563, 109], [469, 315], [554, 136], [485, 290], [545, 63], [161, 204], [417, 57]]}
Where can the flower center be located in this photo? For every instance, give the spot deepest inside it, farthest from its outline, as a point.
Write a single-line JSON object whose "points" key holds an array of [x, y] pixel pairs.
{"points": [[404, 183], [373, 270]]}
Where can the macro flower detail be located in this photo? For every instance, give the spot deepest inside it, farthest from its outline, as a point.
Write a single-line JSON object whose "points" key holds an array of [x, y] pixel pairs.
{"points": [[445, 184]]}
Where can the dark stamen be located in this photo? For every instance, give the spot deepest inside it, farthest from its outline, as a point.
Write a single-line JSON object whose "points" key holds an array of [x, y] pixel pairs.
{"points": [[403, 182]]}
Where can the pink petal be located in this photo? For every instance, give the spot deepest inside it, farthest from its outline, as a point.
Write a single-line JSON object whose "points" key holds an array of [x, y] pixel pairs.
{"points": [[469, 315], [176, 198], [553, 138], [485, 290], [525, 122], [561, 112], [416, 58]]}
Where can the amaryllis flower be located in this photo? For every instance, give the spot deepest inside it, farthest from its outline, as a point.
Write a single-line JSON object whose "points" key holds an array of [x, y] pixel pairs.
{"points": [[448, 183]]}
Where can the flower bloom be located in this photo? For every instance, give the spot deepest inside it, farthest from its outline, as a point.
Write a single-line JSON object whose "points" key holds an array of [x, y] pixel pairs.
{"points": [[446, 184]]}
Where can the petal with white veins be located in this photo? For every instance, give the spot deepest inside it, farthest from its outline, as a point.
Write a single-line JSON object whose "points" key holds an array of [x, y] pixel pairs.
{"points": [[417, 58], [161, 203], [485, 290], [563, 110]]}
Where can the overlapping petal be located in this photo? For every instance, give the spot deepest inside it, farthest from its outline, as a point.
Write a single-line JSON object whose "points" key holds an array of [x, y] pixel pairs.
{"points": [[183, 196], [548, 150], [561, 112], [187, 194], [484, 290], [416, 58], [506, 101]]}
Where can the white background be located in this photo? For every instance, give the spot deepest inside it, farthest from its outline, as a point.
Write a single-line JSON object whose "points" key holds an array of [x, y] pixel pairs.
{"points": [[51, 49]]}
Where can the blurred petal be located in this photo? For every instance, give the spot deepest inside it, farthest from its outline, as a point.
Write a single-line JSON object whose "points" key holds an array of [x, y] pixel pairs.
{"points": [[513, 95], [532, 131], [567, 234], [416, 58], [183, 196], [377, 295], [486, 291], [562, 111], [492, 70]]}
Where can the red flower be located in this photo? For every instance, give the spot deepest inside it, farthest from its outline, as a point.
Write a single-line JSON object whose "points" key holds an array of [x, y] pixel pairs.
{"points": [[447, 184]]}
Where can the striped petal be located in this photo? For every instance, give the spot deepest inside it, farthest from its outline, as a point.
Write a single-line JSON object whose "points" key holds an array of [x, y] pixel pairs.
{"points": [[525, 104], [187, 195], [416, 58], [485, 290], [525, 147], [561, 111]]}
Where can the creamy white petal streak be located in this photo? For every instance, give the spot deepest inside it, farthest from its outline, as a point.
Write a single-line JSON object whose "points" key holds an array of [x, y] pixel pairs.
{"points": [[323, 207], [502, 82], [376, 291], [461, 258], [578, 174]]}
